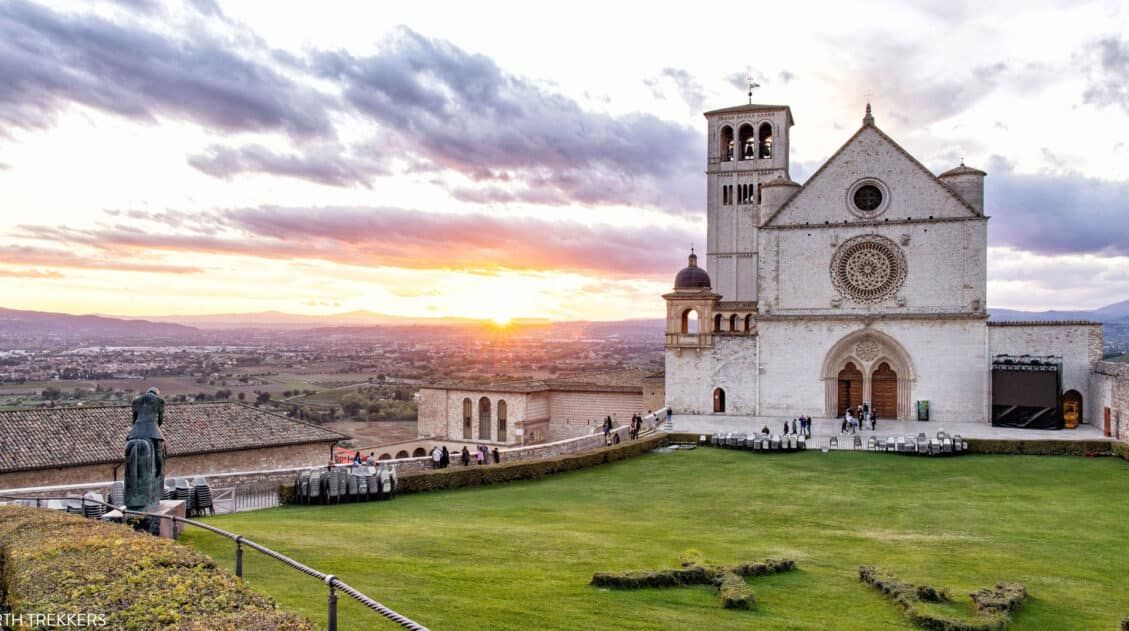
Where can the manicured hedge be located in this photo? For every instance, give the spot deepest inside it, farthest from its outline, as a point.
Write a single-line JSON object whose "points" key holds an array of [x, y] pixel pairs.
{"points": [[439, 479], [66, 564], [732, 590], [1125, 624], [1041, 447], [993, 606], [1122, 449]]}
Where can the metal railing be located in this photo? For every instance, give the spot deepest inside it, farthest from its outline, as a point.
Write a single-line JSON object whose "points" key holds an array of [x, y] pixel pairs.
{"points": [[332, 582]]}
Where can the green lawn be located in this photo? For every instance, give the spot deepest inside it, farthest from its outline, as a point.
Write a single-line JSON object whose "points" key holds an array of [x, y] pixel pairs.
{"points": [[519, 555]]}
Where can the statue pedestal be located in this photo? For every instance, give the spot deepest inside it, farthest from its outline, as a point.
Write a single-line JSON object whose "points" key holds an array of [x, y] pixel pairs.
{"points": [[165, 527]]}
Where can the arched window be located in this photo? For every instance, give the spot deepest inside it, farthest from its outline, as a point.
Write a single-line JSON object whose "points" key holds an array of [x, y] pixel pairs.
{"points": [[401, 454], [484, 419], [689, 322], [468, 415], [718, 400], [746, 142], [766, 140], [501, 420], [749, 322], [717, 323], [385, 456], [733, 322], [419, 452], [726, 143]]}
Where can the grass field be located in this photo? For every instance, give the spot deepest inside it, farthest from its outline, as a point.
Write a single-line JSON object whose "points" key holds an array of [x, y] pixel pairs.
{"points": [[520, 555]]}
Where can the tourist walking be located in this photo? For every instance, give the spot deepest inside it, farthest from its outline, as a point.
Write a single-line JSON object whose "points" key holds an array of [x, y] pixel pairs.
{"points": [[445, 459], [436, 457], [465, 456], [497, 456]]}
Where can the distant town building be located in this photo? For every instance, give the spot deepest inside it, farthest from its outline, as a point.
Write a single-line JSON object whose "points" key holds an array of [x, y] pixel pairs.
{"points": [[535, 411]]}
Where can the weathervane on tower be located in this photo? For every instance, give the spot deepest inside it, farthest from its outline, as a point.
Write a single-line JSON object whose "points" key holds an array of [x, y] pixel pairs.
{"points": [[752, 84]]}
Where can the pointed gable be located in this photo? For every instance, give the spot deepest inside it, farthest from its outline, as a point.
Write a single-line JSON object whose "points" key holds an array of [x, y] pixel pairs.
{"points": [[909, 189]]}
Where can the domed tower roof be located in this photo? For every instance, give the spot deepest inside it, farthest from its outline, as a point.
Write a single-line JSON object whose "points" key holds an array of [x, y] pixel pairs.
{"points": [[692, 277]]}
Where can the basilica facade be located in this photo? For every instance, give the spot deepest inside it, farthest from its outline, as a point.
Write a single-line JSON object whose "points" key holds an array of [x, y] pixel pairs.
{"points": [[868, 283]]}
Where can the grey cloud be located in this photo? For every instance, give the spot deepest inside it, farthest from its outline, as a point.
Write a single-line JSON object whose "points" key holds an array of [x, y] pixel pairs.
{"points": [[786, 77], [460, 111], [1107, 70], [689, 88], [331, 166], [1057, 214], [49, 59]]}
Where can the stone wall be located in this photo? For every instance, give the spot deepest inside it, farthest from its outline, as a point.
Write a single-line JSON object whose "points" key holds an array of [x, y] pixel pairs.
{"points": [[1111, 391], [1079, 345], [441, 414], [569, 409]]}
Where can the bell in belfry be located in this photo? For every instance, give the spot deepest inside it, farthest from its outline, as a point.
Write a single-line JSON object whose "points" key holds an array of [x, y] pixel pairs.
{"points": [[145, 452]]}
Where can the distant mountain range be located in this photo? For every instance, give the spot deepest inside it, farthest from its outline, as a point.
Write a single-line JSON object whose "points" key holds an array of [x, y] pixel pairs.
{"points": [[13, 321], [36, 323], [1117, 312]]}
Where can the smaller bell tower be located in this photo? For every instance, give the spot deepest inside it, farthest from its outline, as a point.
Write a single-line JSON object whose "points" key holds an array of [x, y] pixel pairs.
{"points": [[690, 308]]}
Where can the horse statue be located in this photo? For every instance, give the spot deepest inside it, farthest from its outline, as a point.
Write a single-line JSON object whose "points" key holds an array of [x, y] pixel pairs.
{"points": [[145, 452]]}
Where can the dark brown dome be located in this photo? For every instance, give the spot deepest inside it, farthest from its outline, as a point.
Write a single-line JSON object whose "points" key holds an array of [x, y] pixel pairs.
{"points": [[692, 276]]}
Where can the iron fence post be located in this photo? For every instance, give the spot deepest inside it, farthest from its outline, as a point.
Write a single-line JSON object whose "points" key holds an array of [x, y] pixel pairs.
{"points": [[332, 615], [239, 556]]}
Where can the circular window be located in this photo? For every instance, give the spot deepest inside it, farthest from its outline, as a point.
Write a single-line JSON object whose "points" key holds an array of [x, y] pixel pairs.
{"points": [[868, 198], [868, 269]]}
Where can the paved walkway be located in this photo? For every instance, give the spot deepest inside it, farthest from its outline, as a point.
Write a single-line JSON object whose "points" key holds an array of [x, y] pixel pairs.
{"points": [[827, 427]]}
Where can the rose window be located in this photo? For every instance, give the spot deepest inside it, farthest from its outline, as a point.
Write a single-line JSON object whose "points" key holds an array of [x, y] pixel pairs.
{"points": [[868, 268]]}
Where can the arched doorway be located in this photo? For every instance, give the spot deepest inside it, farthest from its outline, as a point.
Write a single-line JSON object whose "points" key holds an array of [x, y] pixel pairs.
{"points": [[884, 391], [419, 452], [468, 414], [850, 388], [719, 400], [484, 419], [1071, 408], [502, 421]]}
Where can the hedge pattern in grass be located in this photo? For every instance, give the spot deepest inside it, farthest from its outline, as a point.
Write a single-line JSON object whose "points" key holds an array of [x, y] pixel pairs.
{"points": [[65, 564], [994, 606], [733, 591]]}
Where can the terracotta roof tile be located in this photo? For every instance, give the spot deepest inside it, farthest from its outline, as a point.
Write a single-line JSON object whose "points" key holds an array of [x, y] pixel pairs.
{"points": [[58, 437]]}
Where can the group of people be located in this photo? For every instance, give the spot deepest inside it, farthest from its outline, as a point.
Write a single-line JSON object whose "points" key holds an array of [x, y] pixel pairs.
{"points": [[482, 455], [859, 418], [440, 457], [799, 425], [636, 426]]}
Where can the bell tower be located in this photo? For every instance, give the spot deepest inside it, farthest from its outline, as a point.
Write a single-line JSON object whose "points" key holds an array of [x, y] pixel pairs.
{"points": [[747, 148]]}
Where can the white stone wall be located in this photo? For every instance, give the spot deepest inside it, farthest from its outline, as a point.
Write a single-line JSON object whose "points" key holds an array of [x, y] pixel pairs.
{"points": [[945, 268], [692, 375], [1079, 345], [575, 407], [913, 191], [1110, 388], [949, 358]]}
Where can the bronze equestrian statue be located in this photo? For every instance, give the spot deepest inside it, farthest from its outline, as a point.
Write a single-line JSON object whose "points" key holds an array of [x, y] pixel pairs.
{"points": [[145, 452]]}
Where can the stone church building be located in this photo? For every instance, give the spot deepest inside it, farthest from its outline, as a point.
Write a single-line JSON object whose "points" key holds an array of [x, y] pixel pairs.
{"points": [[865, 284]]}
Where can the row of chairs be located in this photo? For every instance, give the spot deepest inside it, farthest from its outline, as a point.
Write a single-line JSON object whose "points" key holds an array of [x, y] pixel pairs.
{"points": [[923, 445], [357, 484], [759, 442]]}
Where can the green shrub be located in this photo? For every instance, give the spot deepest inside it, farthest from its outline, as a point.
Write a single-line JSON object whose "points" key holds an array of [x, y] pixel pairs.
{"points": [[993, 606], [733, 591], [66, 564], [1125, 624], [440, 479], [1121, 449], [1040, 447]]}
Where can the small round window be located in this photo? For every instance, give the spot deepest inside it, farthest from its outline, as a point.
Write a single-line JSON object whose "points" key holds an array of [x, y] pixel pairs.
{"points": [[868, 198]]}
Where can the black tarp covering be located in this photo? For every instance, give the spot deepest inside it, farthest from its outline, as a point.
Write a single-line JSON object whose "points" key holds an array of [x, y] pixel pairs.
{"points": [[1026, 396]]}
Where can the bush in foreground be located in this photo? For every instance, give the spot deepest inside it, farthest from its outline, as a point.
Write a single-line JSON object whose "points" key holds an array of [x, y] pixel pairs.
{"points": [[65, 564]]}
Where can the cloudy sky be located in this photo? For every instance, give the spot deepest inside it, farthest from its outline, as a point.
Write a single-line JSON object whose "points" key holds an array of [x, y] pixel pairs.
{"points": [[485, 159]]}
